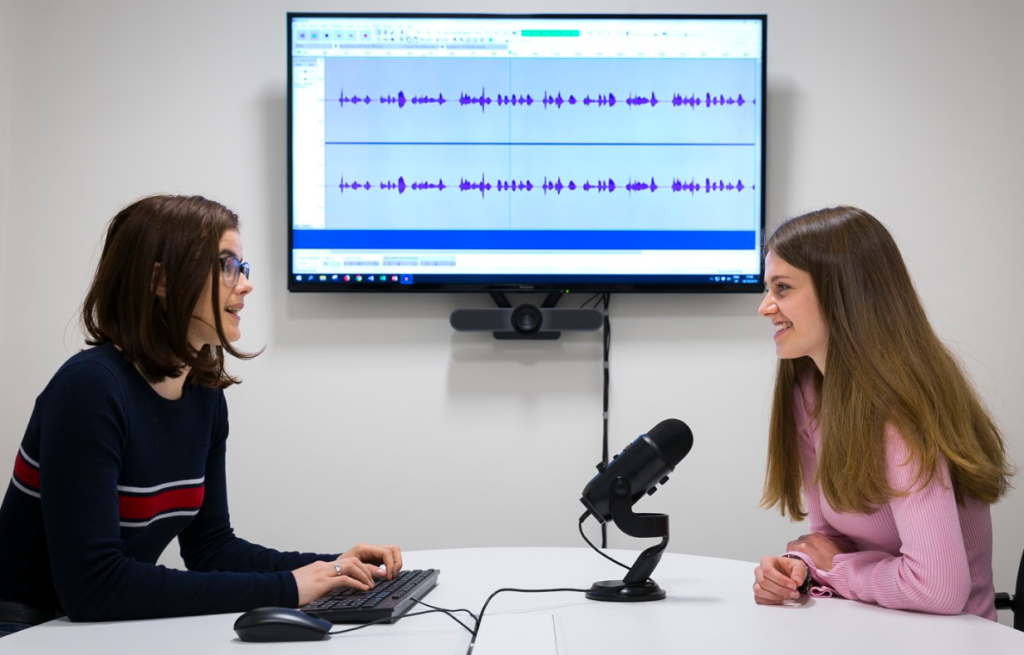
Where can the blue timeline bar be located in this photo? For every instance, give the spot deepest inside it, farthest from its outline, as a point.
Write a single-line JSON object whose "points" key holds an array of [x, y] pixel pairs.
{"points": [[523, 240]]}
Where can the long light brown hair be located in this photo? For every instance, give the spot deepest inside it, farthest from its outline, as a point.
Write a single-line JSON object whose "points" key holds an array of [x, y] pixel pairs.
{"points": [[182, 235], [884, 365]]}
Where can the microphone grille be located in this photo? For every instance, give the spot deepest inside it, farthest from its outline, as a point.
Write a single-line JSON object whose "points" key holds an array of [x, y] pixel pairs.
{"points": [[673, 437]]}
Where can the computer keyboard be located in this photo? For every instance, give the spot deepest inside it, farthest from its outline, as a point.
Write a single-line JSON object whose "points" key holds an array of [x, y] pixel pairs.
{"points": [[388, 599]]}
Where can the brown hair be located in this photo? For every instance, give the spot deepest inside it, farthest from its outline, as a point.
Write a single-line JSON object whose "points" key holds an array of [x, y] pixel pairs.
{"points": [[885, 365], [174, 240]]}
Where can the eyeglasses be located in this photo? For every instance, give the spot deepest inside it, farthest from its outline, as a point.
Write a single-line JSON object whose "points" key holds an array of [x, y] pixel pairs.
{"points": [[231, 268]]}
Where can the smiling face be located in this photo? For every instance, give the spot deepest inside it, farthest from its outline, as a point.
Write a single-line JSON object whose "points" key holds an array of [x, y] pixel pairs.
{"points": [[792, 305], [203, 329]]}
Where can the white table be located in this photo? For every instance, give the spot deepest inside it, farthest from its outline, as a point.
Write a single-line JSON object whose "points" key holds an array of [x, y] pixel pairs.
{"points": [[709, 609]]}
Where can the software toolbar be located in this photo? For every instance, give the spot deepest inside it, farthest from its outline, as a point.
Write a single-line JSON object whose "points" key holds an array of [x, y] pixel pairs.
{"points": [[526, 38]]}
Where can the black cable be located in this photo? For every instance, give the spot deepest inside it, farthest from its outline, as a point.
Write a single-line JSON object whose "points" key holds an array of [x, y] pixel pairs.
{"points": [[441, 608], [472, 642], [596, 549], [607, 297], [451, 613]]}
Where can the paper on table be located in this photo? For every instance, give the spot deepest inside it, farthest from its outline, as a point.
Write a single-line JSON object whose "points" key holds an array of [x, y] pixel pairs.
{"points": [[515, 634]]}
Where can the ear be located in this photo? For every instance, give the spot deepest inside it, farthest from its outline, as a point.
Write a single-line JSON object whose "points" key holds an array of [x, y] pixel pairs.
{"points": [[158, 282]]}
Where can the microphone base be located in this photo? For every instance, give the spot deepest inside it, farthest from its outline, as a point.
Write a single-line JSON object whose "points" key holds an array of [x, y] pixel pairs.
{"points": [[619, 592]]}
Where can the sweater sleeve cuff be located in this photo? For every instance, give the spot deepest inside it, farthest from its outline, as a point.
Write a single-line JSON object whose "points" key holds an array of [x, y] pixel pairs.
{"points": [[289, 589], [818, 589]]}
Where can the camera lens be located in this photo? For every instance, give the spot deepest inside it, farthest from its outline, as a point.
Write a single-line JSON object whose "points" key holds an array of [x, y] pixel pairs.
{"points": [[526, 319]]}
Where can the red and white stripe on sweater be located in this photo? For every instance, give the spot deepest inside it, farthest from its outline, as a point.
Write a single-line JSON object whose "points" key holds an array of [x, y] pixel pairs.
{"points": [[137, 506]]}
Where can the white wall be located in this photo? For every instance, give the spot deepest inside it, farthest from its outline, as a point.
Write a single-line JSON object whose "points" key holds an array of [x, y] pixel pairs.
{"points": [[6, 68], [906, 109]]}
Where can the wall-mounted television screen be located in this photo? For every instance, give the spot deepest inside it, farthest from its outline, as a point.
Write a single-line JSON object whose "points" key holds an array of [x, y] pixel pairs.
{"points": [[513, 153]]}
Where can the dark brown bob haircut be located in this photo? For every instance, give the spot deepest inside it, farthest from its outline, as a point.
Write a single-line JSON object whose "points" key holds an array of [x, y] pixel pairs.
{"points": [[169, 240]]}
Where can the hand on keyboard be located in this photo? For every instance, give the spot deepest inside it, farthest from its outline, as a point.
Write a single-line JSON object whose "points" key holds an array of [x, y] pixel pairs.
{"points": [[373, 556], [316, 579]]}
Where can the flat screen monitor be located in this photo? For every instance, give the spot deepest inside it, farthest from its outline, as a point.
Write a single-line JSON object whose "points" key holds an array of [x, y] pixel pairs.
{"points": [[525, 153]]}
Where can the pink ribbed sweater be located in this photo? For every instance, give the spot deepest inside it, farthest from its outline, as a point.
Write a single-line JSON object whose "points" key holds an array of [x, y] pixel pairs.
{"points": [[918, 552]]}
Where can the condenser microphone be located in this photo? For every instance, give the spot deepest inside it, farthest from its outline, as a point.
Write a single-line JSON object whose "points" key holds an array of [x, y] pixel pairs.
{"points": [[639, 468]]}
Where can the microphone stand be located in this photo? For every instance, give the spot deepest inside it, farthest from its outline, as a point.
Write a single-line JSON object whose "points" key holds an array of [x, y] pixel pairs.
{"points": [[637, 585]]}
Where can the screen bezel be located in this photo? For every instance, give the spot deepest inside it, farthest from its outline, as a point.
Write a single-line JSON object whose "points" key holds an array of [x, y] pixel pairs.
{"points": [[535, 283]]}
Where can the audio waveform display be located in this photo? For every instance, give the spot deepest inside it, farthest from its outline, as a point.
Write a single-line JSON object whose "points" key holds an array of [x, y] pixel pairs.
{"points": [[557, 100], [602, 100], [694, 101], [517, 144], [466, 99], [514, 101], [399, 186], [556, 185], [608, 100], [399, 100]]}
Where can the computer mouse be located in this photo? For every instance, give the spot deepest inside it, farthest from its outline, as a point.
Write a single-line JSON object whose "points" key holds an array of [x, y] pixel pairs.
{"points": [[280, 624]]}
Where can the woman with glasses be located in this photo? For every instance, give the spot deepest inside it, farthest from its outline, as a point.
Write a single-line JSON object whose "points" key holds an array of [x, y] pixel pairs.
{"points": [[876, 434], [125, 448]]}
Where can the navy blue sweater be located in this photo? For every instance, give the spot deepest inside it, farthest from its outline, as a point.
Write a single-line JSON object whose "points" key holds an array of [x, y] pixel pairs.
{"points": [[109, 472]]}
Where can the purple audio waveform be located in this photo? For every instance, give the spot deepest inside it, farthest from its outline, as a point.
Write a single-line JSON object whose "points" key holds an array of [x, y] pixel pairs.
{"points": [[465, 99], [399, 100], [708, 187], [512, 185], [354, 186], [641, 186], [399, 186], [354, 99], [601, 100], [483, 100], [427, 100], [512, 100], [482, 186], [557, 101], [556, 185], [393, 100], [601, 185], [692, 101], [422, 186], [634, 101]]}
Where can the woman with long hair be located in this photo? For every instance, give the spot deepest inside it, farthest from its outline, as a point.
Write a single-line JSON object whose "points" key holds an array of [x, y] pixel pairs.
{"points": [[876, 426], [125, 448]]}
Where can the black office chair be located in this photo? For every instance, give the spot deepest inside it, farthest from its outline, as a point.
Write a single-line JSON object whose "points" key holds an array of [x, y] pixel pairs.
{"points": [[1014, 603]]}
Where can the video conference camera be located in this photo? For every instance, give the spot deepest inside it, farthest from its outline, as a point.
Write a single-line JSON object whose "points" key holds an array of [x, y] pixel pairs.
{"points": [[526, 321]]}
